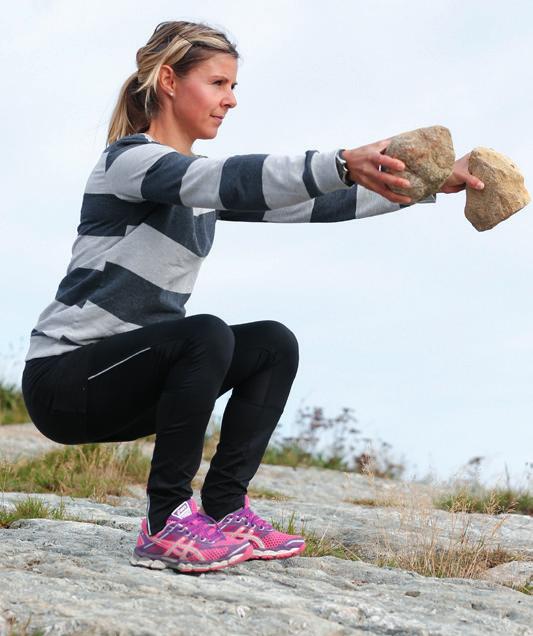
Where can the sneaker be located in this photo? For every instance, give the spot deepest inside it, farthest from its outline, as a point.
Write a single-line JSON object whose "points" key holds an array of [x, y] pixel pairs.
{"points": [[190, 542], [267, 542]]}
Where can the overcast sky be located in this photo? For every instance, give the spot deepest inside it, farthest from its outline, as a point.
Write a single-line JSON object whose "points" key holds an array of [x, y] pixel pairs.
{"points": [[414, 319]]}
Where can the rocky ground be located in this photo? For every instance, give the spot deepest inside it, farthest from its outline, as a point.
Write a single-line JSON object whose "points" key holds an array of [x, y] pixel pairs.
{"points": [[74, 577]]}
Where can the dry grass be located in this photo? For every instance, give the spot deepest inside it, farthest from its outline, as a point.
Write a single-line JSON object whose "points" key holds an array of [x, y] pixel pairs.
{"points": [[16, 627], [265, 493], [492, 501], [423, 540], [437, 544], [374, 503], [87, 470]]}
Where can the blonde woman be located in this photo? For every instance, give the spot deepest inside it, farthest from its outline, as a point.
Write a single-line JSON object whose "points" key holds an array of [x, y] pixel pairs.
{"points": [[113, 357]]}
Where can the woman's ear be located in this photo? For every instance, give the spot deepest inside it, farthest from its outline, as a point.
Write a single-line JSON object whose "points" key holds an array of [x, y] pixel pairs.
{"points": [[167, 80]]}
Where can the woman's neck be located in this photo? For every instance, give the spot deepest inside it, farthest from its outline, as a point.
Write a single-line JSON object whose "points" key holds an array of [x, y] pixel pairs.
{"points": [[170, 135]]}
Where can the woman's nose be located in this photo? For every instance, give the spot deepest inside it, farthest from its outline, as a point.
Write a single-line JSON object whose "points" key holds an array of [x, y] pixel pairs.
{"points": [[230, 101]]}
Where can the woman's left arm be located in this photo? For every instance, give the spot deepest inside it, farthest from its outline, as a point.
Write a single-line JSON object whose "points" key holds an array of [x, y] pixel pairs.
{"points": [[356, 202], [460, 178]]}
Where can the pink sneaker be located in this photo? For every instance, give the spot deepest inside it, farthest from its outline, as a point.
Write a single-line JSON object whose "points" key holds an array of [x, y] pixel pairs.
{"points": [[190, 542], [267, 542]]}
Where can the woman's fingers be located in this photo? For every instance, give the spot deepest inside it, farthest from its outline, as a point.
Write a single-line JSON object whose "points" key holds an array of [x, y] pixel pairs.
{"points": [[474, 182], [391, 180], [379, 159], [386, 179], [380, 188], [365, 168]]}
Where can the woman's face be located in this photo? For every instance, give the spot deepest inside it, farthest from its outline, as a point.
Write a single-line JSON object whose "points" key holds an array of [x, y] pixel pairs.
{"points": [[205, 95]]}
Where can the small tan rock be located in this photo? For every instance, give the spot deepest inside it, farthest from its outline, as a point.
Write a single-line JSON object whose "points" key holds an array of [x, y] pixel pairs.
{"points": [[504, 192], [428, 156]]}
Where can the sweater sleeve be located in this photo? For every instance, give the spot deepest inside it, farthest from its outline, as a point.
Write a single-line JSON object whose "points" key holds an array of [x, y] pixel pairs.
{"points": [[258, 182], [344, 205]]}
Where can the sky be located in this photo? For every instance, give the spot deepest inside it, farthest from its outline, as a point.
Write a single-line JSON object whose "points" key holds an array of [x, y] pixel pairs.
{"points": [[419, 323]]}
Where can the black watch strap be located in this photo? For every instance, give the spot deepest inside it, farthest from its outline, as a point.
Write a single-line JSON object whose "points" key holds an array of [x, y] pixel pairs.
{"points": [[342, 168]]}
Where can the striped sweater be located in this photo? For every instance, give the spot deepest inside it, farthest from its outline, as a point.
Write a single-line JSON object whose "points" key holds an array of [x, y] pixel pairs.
{"points": [[148, 221]]}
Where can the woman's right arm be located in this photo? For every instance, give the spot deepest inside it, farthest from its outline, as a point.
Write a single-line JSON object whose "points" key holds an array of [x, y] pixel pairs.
{"points": [[140, 170]]}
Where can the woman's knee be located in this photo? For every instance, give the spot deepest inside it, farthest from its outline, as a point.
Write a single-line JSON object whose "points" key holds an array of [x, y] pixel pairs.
{"points": [[283, 339]]}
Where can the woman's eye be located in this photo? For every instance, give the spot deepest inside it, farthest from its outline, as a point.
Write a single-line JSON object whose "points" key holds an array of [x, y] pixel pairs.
{"points": [[221, 82]]}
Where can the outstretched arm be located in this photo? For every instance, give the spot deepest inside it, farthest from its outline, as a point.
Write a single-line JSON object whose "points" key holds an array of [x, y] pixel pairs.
{"points": [[139, 170], [344, 205]]}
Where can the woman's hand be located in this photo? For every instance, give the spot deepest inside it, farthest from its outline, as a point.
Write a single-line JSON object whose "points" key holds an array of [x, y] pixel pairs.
{"points": [[363, 167], [460, 178]]}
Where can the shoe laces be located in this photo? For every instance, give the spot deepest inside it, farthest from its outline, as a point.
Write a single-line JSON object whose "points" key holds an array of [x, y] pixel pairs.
{"points": [[201, 526], [252, 519]]}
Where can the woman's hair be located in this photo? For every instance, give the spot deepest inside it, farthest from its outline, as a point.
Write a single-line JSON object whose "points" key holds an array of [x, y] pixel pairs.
{"points": [[181, 45]]}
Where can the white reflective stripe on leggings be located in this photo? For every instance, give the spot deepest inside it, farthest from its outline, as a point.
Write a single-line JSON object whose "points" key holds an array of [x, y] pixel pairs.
{"points": [[119, 362]]}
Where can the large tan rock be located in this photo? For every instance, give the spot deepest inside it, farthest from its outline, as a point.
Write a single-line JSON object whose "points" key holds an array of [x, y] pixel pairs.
{"points": [[428, 156], [504, 192]]}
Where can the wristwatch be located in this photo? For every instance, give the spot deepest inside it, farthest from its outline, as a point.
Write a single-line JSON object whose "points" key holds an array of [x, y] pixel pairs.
{"points": [[342, 168]]}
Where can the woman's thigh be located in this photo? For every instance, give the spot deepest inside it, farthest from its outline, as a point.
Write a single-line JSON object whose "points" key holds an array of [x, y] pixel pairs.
{"points": [[127, 378], [126, 373], [109, 389]]}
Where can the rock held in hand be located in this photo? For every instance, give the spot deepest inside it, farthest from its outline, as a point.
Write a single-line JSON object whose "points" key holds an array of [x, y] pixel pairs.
{"points": [[504, 192], [428, 156]]}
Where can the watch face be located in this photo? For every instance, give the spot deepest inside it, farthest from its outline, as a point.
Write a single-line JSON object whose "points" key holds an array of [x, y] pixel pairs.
{"points": [[341, 165]]}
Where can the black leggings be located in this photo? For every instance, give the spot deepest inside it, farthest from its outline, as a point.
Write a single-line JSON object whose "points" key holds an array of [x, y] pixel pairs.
{"points": [[164, 379]]}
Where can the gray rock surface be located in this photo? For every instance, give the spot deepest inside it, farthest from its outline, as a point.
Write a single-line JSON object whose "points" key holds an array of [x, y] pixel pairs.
{"points": [[428, 156], [515, 574], [504, 192], [74, 577], [368, 530]]}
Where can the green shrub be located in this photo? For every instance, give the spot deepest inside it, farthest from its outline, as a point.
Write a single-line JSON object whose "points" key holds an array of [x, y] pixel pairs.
{"points": [[12, 407]]}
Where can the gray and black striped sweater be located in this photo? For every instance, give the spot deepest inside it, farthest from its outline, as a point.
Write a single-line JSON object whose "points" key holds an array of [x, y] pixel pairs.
{"points": [[148, 221]]}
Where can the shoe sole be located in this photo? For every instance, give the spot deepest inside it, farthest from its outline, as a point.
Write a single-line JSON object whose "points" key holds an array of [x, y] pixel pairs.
{"points": [[279, 554], [183, 566]]}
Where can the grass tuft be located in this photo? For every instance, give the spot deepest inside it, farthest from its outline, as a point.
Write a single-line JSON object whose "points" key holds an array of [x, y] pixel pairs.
{"points": [[467, 561], [87, 470], [375, 503], [265, 493], [316, 546], [495, 501], [33, 508]]}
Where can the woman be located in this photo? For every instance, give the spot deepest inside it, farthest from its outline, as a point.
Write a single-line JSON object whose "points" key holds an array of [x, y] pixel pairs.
{"points": [[113, 357]]}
